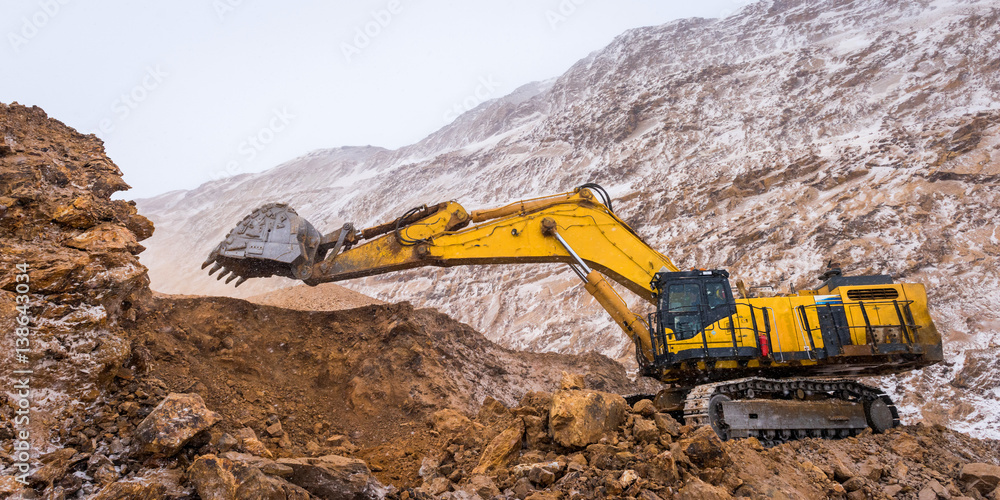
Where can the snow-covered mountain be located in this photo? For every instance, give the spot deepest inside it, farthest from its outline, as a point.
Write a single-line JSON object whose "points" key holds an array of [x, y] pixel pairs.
{"points": [[768, 143]]}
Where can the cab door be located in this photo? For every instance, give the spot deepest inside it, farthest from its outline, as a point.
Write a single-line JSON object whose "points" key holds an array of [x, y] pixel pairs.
{"points": [[684, 312]]}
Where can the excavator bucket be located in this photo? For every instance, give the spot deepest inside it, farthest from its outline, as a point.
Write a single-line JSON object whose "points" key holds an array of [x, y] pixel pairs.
{"points": [[272, 241]]}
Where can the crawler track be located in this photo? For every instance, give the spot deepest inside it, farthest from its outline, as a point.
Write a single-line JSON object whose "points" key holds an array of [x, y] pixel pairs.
{"points": [[795, 400]]}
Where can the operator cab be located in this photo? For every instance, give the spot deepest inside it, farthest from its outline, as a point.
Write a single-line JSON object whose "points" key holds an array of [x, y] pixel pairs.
{"points": [[690, 300]]}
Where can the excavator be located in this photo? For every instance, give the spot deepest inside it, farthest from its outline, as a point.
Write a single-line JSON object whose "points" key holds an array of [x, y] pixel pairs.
{"points": [[776, 368]]}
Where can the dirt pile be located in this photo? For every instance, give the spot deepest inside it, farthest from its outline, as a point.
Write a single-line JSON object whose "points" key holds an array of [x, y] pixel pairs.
{"points": [[373, 373], [325, 297]]}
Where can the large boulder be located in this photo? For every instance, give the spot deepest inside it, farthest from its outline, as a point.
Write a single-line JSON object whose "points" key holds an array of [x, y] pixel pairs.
{"points": [[255, 484], [334, 476], [219, 478], [579, 418], [704, 448], [213, 478], [983, 477], [172, 423], [502, 450]]}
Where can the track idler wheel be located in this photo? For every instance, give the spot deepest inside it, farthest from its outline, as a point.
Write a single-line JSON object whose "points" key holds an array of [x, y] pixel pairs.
{"points": [[717, 417], [879, 415]]}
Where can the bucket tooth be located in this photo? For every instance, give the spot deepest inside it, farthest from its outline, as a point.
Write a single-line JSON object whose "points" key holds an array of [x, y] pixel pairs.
{"points": [[215, 268], [231, 278], [223, 274], [240, 282]]}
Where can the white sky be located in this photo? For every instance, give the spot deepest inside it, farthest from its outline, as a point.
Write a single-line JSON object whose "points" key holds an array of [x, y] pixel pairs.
{"points": [[204, 76]]}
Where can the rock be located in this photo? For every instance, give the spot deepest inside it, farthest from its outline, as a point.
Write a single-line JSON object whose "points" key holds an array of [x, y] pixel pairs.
{"points": [[172, 423], [9, 485], [627, 478], [502, 449], [704, 448], [250, 444], [645, 430], [102, 469], [543, 495], [938, 489], [892, 490], [667, 424], [983, 477], [854, 484], [483, 486], [212, 477], [522, 488], [579, 418], [541, 476], [265, 465], [56, 465], [255, 484], [105, 238], [857, 495], [275, 430], [137, 490], [535, 403], [927, 494], [908, 447], [436, 486], [334, 476], [338, 440], [536, 430], [493, 412], [226, 442], [663, 469], [450, 422], [871, 470], [644, 407], [571, 382], [312, 448], [696, 489]]}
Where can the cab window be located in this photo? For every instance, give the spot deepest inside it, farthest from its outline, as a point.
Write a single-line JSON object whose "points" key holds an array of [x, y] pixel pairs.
{"points": [[683, 310], [683, 298], [715, 295]]}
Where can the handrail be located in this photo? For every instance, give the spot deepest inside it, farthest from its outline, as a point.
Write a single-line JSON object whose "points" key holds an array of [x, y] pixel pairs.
{"points": [[905, 326]]}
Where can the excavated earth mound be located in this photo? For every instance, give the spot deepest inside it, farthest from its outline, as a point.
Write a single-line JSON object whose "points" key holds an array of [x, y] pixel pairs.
{"points": [[373, 373], [325, 297]]}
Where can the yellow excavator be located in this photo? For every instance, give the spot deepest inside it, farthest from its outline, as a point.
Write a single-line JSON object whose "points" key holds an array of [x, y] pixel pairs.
{"points": [[751, 366]]}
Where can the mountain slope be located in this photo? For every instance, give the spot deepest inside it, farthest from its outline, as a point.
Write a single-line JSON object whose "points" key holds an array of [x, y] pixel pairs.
{"points": [[768, 143]]}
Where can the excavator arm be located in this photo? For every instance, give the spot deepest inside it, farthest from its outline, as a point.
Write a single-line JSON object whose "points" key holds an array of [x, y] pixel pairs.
{"points": [[572, 228]]}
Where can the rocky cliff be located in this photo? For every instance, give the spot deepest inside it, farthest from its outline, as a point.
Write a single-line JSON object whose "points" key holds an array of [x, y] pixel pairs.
{"points": [[68, 271]]}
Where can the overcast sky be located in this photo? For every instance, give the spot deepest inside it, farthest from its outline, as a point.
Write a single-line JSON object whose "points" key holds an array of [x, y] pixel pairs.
{"points": [[189, 90]]}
